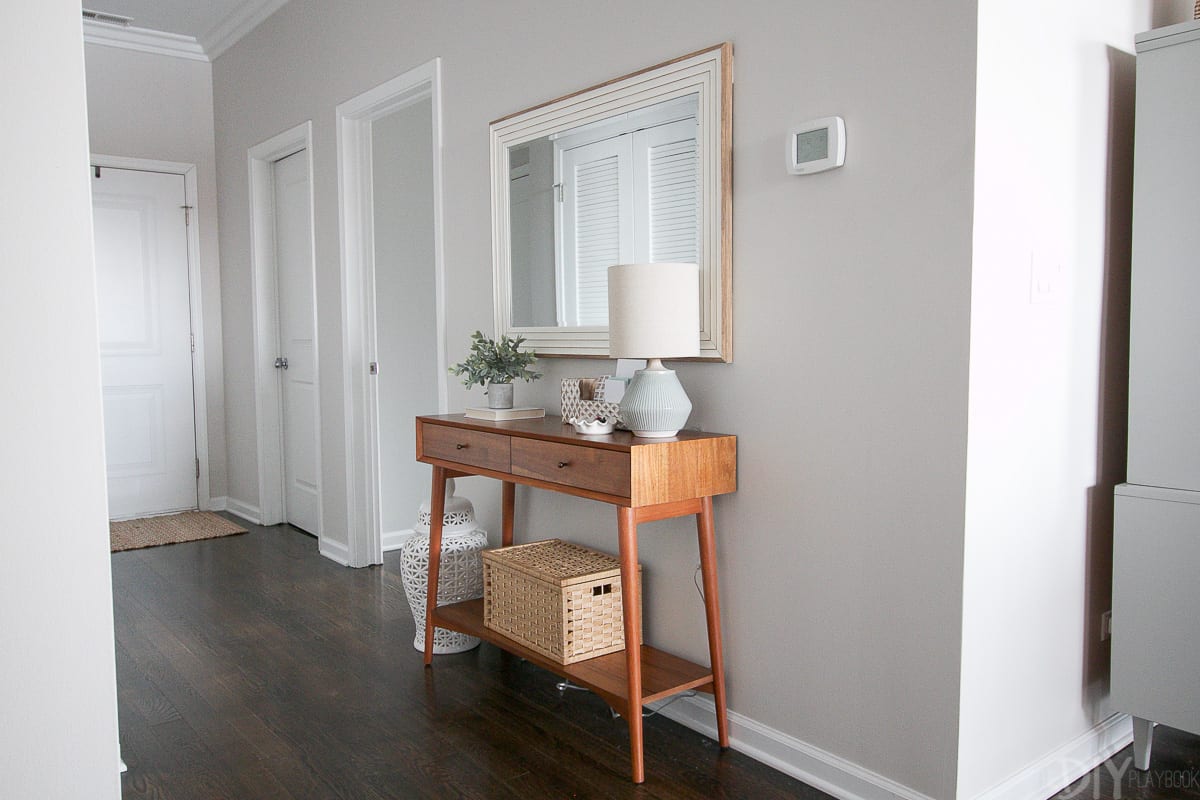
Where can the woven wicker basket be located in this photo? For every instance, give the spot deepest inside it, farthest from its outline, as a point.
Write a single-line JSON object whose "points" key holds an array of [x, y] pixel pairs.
{"points": [[556, 598]]}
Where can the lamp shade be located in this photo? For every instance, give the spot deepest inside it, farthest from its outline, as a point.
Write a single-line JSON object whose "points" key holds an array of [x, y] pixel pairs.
{"points": [[654, 310]]}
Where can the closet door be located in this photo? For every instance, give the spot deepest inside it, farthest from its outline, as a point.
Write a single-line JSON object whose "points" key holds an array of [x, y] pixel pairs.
{"points": [[596, 225], [666, 193]]}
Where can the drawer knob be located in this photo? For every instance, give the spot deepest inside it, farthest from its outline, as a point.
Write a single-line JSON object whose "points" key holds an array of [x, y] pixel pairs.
{"points": [[562, 464], [460, 446]]}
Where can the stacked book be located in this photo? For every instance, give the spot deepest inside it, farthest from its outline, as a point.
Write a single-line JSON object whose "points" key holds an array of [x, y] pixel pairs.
{"points": [[502, 414]]}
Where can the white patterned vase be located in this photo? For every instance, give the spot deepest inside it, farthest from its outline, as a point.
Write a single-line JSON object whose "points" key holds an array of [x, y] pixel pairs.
{"points": [[460, 576]]}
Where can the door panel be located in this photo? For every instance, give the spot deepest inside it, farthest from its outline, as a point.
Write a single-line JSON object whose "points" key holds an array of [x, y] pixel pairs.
{"points": [[293, 253], [145, 341]]}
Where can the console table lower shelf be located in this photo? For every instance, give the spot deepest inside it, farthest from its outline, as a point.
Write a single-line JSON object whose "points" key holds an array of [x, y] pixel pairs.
{"points": [[663, 674]]}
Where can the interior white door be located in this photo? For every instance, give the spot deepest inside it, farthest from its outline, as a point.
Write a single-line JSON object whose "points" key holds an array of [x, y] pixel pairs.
{"points": [[145, 341], [298, 389]]}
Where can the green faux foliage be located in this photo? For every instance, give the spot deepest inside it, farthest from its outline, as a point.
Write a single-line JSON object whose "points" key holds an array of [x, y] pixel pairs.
{"points": [[495, 362]]}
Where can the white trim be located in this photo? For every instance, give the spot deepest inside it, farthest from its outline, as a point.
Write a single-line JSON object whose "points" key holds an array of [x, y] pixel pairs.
{"points": [[356, 225], [265, 321], [334, 551], [1063, 766], [143, 40], [812, 765], [242, 509], [247, 17], [849, 781], [394, 540], [195, 302], [218, 503]]}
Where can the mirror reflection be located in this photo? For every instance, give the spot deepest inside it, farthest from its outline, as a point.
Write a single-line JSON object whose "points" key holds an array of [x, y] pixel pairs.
{"points": [[620, 190]]}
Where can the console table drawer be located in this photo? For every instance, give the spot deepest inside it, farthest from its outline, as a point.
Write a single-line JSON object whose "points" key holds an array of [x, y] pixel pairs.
{"points": [[479, 449], [591, 468]]}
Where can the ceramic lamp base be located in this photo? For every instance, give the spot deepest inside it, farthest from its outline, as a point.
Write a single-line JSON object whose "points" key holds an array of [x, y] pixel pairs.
{"points": [[655, 406]]}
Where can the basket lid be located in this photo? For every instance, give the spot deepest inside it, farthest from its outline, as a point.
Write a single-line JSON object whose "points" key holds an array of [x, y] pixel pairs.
{"points": [[556, 561]]}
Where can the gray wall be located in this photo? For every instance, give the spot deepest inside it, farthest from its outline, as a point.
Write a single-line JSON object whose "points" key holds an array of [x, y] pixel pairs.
{"points": [[142, 105], [841, 554], [58, 693], [406, 319]]}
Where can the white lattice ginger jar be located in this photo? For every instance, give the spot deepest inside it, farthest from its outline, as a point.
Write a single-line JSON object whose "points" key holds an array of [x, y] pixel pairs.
{"points": [[460, 576]]}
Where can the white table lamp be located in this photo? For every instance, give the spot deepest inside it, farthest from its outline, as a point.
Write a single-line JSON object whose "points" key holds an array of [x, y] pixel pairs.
{"points": [[654, 313]]}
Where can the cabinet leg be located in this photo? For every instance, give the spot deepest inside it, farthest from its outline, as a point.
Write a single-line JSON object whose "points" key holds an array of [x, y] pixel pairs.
{"points": [[508, 508], [1143, 740], [712, 613], [630, 605], [437, 510]]}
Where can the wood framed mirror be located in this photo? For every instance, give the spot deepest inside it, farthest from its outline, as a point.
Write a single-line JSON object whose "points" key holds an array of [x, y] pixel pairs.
{"points": [[637, 169]]}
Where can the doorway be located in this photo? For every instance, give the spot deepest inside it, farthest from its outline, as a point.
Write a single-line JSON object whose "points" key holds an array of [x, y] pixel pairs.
{"points": [[148, 300], [286, 374], [389, 166], [405, 318]]}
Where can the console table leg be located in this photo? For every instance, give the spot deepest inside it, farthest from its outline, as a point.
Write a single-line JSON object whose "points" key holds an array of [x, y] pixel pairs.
{"points": [[631, 604], [712, 613], [509, 503], [437, 509]]}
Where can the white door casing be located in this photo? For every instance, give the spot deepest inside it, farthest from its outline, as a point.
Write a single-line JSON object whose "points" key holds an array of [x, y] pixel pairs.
{"points": [[297, 340], [141, 246], [364, 545]]}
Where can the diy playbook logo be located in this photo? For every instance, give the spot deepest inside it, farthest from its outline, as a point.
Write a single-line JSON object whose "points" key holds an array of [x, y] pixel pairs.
{"points": [[1121, 776]]}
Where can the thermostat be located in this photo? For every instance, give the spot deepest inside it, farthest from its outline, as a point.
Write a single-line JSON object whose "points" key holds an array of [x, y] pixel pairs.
{"points": [[816, 146]]}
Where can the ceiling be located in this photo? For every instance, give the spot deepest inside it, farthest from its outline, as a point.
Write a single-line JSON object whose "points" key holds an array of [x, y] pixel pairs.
{"points": [[209, 26]]}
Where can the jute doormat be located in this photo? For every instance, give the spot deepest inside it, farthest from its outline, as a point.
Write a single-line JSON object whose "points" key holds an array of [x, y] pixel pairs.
{"points": [[190, 526]]}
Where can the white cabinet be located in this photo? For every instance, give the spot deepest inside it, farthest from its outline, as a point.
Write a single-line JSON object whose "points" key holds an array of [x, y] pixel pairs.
{"points": [[1156, 652], [1164, 340], [1156, 550]]}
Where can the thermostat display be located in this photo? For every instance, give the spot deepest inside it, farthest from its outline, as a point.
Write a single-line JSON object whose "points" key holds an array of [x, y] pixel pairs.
{"points": [[816, 146]]}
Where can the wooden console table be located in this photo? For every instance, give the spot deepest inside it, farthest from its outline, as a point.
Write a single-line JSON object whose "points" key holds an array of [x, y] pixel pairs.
{"points": [[647, 480]]}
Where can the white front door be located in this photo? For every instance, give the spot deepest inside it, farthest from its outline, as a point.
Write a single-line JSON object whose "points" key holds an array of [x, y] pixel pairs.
{"points": [[293, 257], [145, 341]]}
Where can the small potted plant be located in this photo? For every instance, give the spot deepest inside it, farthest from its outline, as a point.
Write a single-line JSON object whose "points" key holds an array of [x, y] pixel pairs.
{"points": [[495, 365]]}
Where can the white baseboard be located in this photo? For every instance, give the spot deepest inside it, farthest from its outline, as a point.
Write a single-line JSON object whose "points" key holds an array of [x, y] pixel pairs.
{"points": [[394, 540], [334, 551], [1060, 768], [816, 767], [215, 504], [246, 511]]}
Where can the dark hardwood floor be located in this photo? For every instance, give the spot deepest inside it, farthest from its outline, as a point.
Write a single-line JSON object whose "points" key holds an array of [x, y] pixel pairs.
{"points": [[250, 667]]}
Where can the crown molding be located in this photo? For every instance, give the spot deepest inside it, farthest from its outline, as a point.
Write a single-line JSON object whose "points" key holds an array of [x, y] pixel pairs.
{"points": [[237, 25], [143, 40]]}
